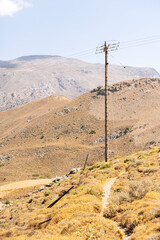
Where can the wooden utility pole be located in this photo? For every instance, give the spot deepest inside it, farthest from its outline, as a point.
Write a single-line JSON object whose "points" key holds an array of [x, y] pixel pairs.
{"points": [[107, 48], [106, 103]]}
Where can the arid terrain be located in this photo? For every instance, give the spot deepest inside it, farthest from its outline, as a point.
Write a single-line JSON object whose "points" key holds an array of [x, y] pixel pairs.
{"points": [[48, 137], [118, 200], [79, 120], [29, 78]]}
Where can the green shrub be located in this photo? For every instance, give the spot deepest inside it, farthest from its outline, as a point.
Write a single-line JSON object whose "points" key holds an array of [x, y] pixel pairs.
{"points": [[96, 165], [126, 160], [92, 132], [35, 175], [7, 202], [46, 194], [107, 165], [126, 130]]}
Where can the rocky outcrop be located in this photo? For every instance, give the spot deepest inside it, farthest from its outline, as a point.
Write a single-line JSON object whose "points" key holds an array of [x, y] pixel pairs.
{"points": [[143, 83]]}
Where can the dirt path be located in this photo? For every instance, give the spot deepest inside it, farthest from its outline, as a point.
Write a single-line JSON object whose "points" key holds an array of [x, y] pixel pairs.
{"points": [[5, 189], [107, 191], [59, 144]]}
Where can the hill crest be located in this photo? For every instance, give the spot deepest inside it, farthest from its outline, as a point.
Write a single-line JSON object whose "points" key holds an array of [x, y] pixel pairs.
{"points": [[61, 134]]}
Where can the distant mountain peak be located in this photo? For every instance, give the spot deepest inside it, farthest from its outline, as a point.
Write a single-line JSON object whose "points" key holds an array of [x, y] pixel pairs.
{"points": [[28, 78], [36, 57]]}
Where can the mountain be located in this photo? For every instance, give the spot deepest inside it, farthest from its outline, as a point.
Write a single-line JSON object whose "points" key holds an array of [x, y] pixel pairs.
{"points": [[29, 78], [50, 136]]}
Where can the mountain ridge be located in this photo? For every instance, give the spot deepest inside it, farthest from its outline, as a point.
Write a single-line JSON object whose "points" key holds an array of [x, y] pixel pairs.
{"points": [[29, 78]]}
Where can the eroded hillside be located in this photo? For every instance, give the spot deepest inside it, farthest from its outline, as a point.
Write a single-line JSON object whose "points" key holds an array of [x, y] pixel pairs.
{"points": [[50, 136]]}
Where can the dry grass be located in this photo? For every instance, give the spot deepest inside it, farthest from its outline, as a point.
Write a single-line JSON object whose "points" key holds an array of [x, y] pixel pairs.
{"points": [[134, 203], [135, 191], [76, 216]]}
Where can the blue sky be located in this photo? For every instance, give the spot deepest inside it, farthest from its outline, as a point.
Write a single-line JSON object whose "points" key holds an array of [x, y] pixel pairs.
{"points": [[66, 27]]}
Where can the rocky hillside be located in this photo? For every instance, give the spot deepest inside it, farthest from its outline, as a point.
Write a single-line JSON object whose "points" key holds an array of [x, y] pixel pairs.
{"points": [[33, 77], [48, 137], [118, 200]]}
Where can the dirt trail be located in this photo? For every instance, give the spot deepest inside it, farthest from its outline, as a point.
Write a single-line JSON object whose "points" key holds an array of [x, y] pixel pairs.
{"points": [[107, 191], [59, 144], [5, 189]]}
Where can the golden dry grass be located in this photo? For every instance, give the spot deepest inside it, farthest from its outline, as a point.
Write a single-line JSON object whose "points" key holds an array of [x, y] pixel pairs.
{"points": [[78, 214]]}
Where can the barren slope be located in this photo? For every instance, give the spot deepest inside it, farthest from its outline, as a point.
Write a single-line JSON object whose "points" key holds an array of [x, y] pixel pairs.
{"points": [[48, 143]]}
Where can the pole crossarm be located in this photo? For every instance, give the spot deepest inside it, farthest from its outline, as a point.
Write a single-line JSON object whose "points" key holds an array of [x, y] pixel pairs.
{"points": [[107, 48]]}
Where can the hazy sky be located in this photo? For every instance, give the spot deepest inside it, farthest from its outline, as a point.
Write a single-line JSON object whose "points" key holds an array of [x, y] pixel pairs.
{"points": [[66, 27]]}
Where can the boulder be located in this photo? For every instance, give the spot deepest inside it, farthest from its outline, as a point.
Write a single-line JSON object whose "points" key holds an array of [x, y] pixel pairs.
{"points": [[41, 188], [74, 170]]}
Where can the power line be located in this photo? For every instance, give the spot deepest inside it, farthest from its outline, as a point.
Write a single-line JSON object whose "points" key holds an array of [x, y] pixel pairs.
{"points": [[139, 44], [124, 45], [117, 61], [140, 39]]}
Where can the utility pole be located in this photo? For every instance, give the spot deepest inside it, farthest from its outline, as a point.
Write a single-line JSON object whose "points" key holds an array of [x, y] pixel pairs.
{"points": [[106, 48], [106, 103]]}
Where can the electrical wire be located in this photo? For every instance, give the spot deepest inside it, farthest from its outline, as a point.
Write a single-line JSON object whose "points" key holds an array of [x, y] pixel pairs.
{"points": [[123, 45], [117, 61], [141, 40], [139, 44]]}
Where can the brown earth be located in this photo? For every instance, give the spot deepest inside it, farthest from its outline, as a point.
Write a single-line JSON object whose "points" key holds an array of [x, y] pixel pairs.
{"points": [[50, 136]]}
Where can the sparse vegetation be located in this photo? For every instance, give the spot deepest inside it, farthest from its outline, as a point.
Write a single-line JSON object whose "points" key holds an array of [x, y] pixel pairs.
{"points": [[95, 193], [46, 194], [109, 212], [92, 132], [106, 165], [119, 189], [135, 191], [96, 165], [35, 175], [7, 202], [48, 175], [133, 203], [126, 130]]}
